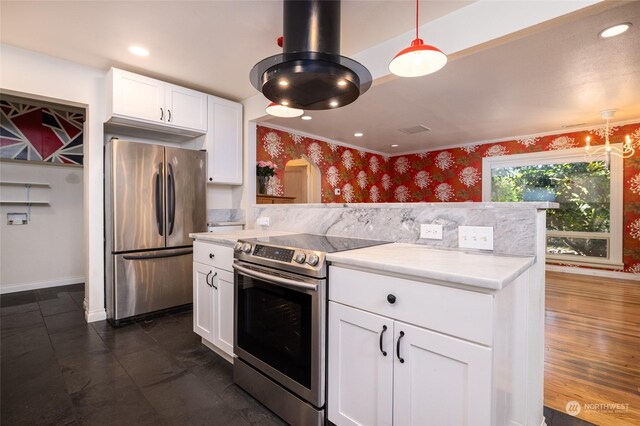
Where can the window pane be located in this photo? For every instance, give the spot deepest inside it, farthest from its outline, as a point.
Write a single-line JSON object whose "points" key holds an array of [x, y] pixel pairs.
{"points": [[578, 246], [581, 189]]}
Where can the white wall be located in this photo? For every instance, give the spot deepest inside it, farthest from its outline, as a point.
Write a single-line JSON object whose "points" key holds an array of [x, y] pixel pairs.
{"points": [[49, 250], [34, 75]]}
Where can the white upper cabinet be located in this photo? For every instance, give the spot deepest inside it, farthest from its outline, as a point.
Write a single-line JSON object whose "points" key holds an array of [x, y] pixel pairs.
{"points": [[224, 142], [145, 102]]}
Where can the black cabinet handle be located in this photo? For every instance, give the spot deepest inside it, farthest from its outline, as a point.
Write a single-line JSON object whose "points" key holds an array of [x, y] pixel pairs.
{"points": [[169, 111], [211, 255], [398, 347], [214, 275], [384, 328], [161, 114], [391, 298], [207, 279]]}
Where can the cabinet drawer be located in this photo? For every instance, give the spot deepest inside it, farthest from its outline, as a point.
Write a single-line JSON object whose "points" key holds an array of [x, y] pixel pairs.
{"points": [[213, 255], [460, 313]]}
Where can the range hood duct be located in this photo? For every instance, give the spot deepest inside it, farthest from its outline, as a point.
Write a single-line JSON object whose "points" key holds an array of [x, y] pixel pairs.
{"points": [[310, 74]]}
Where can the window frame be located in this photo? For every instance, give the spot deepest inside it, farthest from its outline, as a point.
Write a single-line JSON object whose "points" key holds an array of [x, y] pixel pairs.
{"points": [[573, 155]]}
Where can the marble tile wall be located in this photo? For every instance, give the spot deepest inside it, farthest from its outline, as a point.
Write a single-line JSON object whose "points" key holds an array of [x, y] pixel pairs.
{"points": [[225, 215], [514, 225]]}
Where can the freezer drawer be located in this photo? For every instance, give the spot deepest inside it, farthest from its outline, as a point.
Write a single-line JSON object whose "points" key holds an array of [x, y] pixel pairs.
{"points": [[150, 281]]}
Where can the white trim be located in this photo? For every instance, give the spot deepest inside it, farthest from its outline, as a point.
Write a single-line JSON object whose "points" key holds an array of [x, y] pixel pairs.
{"points": [[572, 155], [95, 315], [230, 359], [515, 138], [35, 285], [594, 272], [323, 139]]}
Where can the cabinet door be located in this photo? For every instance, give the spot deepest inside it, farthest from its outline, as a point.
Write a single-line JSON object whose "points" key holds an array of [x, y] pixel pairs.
{"points": [[442, 381], [185, 107], [203, 301], [138, 97], [223, 311], [360, 376], [224, 141]]}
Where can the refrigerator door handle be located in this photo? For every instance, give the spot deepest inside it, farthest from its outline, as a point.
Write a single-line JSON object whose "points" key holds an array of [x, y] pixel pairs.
{"points": [[172, 253], [159, 204], [171, 194]]}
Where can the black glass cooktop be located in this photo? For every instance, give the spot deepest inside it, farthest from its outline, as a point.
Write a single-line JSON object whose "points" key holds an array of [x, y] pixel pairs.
{"points": [[324, 243]]}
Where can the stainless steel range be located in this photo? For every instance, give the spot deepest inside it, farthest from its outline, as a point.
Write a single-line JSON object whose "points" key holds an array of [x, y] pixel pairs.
{"points": [[280, 321]]}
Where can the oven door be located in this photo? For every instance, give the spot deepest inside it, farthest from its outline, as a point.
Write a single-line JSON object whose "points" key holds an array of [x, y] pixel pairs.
{"points": [[280, 327]]}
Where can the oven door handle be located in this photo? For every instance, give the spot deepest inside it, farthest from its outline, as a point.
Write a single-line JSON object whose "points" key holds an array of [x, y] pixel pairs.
{"points": [[274, 279]]}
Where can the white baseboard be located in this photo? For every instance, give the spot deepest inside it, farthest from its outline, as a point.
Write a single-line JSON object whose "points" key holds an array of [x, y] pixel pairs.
{"points": [[594, 272], [14, 288], [217, 350], [95, 315]]}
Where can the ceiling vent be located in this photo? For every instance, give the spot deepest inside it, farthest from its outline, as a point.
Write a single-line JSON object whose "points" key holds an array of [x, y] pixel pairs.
{"points": [[415, 129]]}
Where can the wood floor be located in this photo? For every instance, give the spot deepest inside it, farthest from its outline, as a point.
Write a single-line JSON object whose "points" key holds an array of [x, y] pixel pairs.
{"points": [[592, 347]]}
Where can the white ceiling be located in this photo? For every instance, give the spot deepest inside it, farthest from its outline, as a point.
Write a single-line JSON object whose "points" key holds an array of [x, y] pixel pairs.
{"points": [[560, 74], [533, 81], [207, 45]]}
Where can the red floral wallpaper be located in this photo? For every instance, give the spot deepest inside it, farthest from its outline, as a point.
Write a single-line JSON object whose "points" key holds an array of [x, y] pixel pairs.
{"points": [[362, 177], [446, 175]]}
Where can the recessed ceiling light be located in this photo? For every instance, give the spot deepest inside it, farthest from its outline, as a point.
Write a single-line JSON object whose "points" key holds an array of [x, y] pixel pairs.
{"points": [[394, 146], [358, 134], [333, 104], [283, 83], [615, 30], [138, 51], [306, 117]]}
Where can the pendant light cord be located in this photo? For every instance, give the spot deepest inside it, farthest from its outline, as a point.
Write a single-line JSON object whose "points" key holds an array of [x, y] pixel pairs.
{"points": [[417, 1]]}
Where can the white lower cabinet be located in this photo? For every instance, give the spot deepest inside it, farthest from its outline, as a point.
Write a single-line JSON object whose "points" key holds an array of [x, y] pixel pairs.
{"points": [[386, 372], [213, 297]]}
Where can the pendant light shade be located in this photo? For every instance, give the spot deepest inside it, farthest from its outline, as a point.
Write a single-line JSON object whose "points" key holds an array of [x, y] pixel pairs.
{"points": [[283, 111], [418, 59]]}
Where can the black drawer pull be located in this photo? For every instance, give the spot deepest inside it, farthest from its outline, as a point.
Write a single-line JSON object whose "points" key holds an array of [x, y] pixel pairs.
{"points": [[391, 298], [398, 347], [211, 255], [384, 328]]}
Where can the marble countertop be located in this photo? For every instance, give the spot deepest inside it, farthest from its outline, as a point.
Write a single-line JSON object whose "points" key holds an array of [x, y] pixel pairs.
{"points": [[227, 223], [538, 205], [230, 238], [474, 269]]}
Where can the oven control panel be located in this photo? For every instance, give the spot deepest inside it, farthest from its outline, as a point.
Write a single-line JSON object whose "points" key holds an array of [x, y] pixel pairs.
{"points": [[274, 253]]}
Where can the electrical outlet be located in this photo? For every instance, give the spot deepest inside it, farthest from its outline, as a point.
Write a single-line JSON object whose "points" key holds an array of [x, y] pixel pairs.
{"points": [[263, 221], [475, 237], [430, 231], [336, 191]]}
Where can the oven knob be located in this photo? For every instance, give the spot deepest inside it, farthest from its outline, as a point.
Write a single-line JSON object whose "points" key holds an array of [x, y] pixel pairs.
{"points": [[313, 259], [246, 247], [300, 257], [237, 247]]}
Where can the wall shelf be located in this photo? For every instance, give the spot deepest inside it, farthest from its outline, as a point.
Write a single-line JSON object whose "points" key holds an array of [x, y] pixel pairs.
{"points": [[15, 183], [24, 203]]}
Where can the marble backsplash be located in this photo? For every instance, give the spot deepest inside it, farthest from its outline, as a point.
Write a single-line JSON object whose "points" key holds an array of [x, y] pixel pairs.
{"points": [[225, 215], [514, 224]]}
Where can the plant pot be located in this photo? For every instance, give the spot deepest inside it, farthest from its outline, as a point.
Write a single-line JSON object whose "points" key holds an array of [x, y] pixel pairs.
{"points": [[262, 182]]}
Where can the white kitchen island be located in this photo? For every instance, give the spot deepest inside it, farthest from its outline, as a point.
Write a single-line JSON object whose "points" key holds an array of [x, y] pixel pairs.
{"points": [[420, 336]]}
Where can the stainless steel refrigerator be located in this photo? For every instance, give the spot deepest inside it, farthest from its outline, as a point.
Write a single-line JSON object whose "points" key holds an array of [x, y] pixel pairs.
{"points": [[154, 197]]}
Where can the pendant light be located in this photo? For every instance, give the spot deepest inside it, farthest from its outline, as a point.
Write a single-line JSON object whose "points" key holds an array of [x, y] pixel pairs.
{"points": [[418, 59], [283, 111], [608, 149]]}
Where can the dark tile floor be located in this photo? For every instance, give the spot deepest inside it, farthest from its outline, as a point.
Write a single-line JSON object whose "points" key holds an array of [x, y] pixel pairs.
{"points": [[556, 418], [55, 369]]}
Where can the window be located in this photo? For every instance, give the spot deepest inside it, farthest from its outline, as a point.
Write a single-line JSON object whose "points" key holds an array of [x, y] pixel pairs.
{"points": [[587, 228]]}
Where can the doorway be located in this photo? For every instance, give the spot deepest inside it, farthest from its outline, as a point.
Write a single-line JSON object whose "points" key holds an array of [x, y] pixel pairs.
{"points": [[302, 180]]}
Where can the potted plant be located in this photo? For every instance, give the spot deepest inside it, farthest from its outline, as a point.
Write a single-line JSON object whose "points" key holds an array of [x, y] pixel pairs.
{"points": [[544, 189], [264, 171]]}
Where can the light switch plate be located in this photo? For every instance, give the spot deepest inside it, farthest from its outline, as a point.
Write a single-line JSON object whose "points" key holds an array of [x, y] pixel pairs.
{"points": [[431, 231], [475, 237], [263, 221]]}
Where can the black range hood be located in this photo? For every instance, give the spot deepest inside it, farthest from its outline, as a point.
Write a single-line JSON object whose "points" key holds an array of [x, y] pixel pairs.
{"points": [[310, 74]]}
